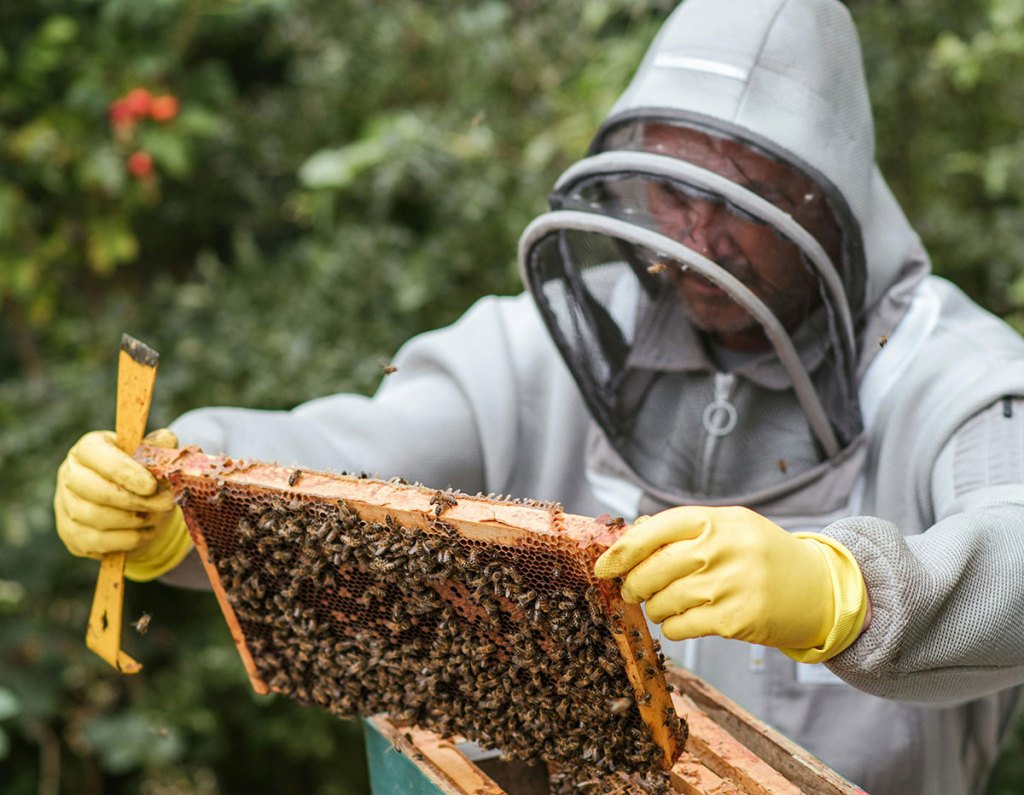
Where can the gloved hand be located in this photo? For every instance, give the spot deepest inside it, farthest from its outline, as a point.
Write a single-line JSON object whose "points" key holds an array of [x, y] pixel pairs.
{"points": [[107, 502], [732, 572]]}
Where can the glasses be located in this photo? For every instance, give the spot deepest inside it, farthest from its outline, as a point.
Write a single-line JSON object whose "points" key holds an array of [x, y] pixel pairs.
{"points": [[680, 215]]}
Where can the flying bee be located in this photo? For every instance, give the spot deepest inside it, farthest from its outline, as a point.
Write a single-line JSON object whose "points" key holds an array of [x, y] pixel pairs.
{"points": [[388, 369], [657, 267], [619, 706], [142, 625], [882, 341]]}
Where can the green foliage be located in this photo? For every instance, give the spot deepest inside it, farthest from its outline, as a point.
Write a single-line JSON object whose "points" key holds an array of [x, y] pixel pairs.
{"points": [[948, 118], [337, 178], [71, 208]]}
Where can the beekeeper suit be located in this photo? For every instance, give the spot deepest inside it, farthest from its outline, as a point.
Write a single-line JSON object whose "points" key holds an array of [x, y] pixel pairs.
{"points": [[726, 307]]}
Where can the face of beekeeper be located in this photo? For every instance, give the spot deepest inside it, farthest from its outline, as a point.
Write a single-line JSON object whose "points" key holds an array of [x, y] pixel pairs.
{"points": [[768, 265]]}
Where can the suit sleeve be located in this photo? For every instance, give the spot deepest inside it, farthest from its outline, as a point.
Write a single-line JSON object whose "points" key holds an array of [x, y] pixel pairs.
{"points": [[947, 603], [446, 417]]}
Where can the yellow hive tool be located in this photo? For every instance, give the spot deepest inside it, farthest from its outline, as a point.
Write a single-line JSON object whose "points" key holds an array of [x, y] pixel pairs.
{"points": [[136, 374]]}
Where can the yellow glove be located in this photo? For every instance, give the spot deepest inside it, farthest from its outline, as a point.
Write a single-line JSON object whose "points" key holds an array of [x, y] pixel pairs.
{"points": [[107, 502], [732, 572]]}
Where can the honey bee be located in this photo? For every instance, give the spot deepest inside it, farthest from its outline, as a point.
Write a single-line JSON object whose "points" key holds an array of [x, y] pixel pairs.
{"points": [[657, 267], [882, 341], [142, 625], [293, 478], [442, 501], [245, 529]]}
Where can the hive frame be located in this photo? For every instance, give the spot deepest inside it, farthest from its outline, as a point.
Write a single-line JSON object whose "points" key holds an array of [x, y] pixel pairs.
{"points": [[475, 518]]}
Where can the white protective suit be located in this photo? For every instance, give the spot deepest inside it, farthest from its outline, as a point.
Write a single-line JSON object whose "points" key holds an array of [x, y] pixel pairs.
{"points": [[928, 494]]}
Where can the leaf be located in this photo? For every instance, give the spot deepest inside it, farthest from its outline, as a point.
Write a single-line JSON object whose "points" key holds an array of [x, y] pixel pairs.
{"points": [[338, 168], [103, 169], [35, 142], [9, 704], [126, 742], [168, 150], [386, 137], [12, 595], [110, 243], [10, 204], [201, 123], [58, 29]]}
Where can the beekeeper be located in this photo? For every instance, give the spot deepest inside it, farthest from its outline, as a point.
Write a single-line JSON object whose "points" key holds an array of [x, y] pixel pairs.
{"points": [[726, 307]]}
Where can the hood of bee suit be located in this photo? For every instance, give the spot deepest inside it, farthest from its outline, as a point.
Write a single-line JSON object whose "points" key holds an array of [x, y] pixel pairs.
{"points": [[788, 76], [785, 80]]}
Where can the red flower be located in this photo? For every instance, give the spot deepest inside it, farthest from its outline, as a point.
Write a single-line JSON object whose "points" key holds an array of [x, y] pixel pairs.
{"points": [[140, 164], [163, 108], [137, 101], [120, 114]]}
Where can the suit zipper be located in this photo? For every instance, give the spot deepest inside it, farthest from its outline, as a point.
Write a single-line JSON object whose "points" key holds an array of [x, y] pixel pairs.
{"points": [[719, 420]]}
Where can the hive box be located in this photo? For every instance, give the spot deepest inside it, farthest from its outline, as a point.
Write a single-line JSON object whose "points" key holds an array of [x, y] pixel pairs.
{"points": [[729, 752]]}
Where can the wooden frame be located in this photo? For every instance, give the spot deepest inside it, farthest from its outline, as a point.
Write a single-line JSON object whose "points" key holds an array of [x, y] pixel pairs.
{"points": [[478, 518]]}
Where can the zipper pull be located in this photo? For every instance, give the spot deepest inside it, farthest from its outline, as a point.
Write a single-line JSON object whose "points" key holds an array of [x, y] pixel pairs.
{"points": [[720, 415]]}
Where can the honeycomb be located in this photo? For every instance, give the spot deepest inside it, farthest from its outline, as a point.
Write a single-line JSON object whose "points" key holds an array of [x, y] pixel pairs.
{"points": [[468, 616]]}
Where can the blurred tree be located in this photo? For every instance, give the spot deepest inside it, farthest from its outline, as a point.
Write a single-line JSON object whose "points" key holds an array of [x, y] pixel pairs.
{"points": [[949, 118], [347, 179], [333, 179]]}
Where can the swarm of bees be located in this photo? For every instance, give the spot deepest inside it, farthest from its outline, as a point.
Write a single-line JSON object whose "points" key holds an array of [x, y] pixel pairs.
{"points": [[505, 645]]}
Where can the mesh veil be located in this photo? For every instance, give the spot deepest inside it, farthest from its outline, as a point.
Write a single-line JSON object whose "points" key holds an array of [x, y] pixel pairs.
{"points": [[646, 271]]}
